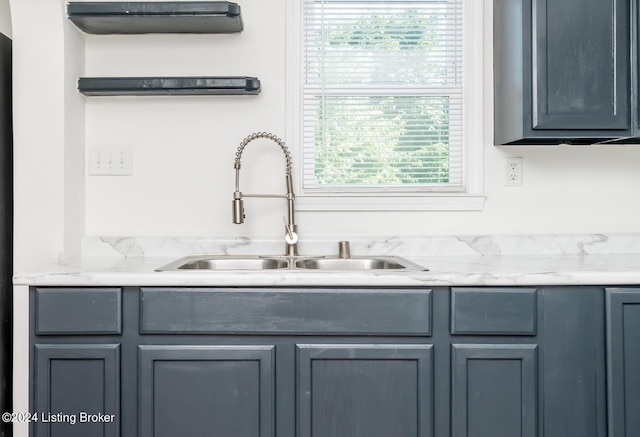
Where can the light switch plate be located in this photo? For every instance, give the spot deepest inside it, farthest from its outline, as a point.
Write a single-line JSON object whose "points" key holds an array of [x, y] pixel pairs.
{"points": [[110, 161]]}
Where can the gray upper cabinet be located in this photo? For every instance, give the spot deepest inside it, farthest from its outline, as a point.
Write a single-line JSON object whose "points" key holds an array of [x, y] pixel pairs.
{"points": [[562, 72]]}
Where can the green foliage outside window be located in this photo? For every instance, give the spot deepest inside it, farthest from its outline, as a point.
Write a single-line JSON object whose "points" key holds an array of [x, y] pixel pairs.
{"points": [[377, 140]]}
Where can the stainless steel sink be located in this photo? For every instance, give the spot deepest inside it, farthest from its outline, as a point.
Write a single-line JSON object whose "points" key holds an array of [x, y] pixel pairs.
{"points": [[224, 262], [357, 263], [301, 263]]}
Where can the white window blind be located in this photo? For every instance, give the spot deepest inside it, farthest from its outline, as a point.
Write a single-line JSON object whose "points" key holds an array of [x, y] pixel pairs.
{"points": [[383, 95]]}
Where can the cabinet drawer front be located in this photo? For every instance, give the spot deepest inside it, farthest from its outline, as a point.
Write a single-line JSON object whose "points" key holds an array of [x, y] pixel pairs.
{"points": [[493, 311], [78, 311], [274, 311]]}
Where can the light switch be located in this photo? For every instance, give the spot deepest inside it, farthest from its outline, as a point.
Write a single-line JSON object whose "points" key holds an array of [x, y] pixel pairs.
{"points": [[110, 161]]}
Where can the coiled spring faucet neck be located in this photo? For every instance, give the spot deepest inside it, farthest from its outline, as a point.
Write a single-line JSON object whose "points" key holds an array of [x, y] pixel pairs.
{"points": [[268, 136], [291, 236]]}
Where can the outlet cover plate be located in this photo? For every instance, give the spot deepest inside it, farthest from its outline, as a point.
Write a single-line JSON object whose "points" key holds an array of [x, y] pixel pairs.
{"points": [[513, 172]]}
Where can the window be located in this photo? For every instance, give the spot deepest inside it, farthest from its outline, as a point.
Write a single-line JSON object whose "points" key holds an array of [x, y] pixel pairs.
{"points": [[382, 103]]}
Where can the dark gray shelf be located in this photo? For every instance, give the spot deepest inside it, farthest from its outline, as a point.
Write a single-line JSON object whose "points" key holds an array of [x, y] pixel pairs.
{"points": [[163, 86], [155, 17]]}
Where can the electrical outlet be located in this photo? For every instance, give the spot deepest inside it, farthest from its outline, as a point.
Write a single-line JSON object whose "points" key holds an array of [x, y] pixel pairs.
{"points": [[110, 161], [513, 172]]}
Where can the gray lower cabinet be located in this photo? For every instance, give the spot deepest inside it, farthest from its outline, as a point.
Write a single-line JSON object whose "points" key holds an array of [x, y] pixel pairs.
{"points": [[494, 375], [335, 362], [76, 365], [236, 362], [623, 359], [528, 362]]}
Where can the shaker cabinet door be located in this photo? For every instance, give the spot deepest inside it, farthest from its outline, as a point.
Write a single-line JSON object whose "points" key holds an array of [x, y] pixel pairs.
{"points": [[364, 390], [494, 390], [77, 390], [623, 360], [562, 71], [201, 391], [581, 64]]}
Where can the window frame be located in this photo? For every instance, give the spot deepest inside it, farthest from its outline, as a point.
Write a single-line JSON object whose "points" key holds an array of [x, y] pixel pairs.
{"points": [[391, 198]]}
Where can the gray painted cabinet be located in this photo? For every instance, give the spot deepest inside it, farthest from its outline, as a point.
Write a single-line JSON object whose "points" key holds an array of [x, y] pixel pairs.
{"points": [[623, 341], [191, 390], [572, 362], [563, 71], [78, 390], [494, 373], [327, 362], [528, 362], [494, 390], [364, 390]]}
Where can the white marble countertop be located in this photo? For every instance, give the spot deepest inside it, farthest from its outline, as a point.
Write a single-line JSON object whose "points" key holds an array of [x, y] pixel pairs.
{"points": [[501, 270]]}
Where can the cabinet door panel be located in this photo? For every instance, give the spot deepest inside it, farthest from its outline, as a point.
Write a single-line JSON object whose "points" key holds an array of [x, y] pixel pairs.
{"points": [[365, 391], [192, 390], [581, 64], [494, 390], [623, 356], [74, 379], [573, 362]]}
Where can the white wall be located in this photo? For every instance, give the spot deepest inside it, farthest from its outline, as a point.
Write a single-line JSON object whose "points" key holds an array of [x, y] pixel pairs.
{"points": [[38, 130], [184, 147], [5, 18], [48, 133], [74, 140]]}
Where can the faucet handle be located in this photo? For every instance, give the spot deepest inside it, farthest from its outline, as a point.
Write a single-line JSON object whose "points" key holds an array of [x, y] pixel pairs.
{"points": [[291, 237]]}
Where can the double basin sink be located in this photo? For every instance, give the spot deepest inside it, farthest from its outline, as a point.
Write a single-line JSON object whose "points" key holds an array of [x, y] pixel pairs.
{"points": [[302, 263]]}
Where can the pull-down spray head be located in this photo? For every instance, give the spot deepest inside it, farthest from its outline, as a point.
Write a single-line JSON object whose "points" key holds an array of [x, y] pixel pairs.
{"points": [[238, 208]]}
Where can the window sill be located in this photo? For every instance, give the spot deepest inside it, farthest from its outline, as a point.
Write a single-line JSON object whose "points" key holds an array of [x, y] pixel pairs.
{"points": [[349, 203]]}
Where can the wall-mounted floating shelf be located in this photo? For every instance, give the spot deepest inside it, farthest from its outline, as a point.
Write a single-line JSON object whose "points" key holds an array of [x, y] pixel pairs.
{"points": [[163, 86], [156, 17]]}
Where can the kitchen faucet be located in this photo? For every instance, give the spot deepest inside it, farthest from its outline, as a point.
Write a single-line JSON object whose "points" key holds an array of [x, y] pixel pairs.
{"points": [[291, 235]]}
